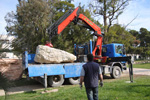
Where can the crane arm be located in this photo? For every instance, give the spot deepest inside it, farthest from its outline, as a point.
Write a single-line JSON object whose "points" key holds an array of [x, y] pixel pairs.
{"points": [[73, 15], [62, 22], [97, 32]]}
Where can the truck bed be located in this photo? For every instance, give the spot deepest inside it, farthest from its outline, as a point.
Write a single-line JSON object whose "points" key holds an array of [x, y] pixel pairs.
{"points": [[66, 69]]}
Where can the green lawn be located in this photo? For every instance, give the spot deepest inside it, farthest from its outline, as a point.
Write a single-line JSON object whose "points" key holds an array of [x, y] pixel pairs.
{"points": [[146, 65], [115, 89]]}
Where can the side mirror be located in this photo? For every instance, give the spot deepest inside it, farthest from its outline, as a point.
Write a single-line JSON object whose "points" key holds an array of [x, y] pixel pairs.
{"points": [[124, 50]]}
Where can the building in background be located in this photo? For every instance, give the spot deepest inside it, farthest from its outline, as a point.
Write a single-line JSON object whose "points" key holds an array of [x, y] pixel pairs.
{"points": [[5, 46]]}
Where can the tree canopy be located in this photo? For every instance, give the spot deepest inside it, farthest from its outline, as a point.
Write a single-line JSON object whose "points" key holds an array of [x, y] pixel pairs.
{"points": [[118, 34], [142, 43], [110, 10], [32, 18], [72, 34], [30, 22]]}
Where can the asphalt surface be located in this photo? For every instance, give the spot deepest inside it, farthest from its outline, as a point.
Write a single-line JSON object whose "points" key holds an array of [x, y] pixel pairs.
{"points": [[139, 71], [22, 89]]}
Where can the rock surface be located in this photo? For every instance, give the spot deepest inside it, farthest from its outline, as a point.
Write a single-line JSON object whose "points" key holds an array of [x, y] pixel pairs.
{"points": [[45, 54], [11, 68]]}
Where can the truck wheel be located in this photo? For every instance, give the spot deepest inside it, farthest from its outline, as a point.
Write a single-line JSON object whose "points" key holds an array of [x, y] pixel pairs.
{"points": [[56, 80], [116, 73], [74, 80]]}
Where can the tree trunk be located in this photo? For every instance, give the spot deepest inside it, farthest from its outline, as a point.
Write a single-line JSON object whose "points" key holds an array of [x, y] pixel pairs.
{"points": [[105, 20]]}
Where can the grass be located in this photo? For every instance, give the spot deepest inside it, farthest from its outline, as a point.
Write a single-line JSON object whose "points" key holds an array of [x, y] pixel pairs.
{"points": [[145, 65], [115, 89]]}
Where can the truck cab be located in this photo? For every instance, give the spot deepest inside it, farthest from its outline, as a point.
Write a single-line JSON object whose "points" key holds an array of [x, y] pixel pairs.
{"points": [[111, 51]]}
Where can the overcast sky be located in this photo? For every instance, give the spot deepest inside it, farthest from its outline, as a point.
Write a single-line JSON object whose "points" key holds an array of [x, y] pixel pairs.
{"points": [[136, 7]]}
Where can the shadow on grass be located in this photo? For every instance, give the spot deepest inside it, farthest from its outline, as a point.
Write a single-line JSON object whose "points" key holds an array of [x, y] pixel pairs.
{"points": [[24, 82], [107, 77], [30, 92]]}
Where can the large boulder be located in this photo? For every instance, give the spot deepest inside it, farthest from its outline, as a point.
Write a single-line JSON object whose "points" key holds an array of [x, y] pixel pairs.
{"points": [[45, 54]]}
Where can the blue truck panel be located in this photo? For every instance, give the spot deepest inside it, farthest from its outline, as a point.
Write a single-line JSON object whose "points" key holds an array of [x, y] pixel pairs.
{"points": [[31, 58], [28, 58], [49, 69], [109, 50], [73, 70]]}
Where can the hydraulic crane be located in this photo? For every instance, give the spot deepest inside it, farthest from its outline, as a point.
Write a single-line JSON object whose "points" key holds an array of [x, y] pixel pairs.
{"points": [[75, 16]]}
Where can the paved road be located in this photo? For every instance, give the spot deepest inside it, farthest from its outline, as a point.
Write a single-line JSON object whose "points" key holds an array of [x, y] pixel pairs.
{"points": [[139, 71], [21, 89]]}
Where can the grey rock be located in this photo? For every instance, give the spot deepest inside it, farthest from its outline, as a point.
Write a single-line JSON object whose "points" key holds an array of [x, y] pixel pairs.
{"points": [[45, 54]]}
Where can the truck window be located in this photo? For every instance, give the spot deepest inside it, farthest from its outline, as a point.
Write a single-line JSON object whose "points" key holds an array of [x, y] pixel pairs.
{"points": [[104, 49], [119, 49]]}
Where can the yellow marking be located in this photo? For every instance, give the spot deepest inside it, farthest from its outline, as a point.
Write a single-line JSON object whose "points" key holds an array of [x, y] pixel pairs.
{"points": [[99, 60], [88, 21]]}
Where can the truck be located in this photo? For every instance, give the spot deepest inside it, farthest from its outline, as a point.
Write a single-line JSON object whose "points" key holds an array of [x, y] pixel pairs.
{"points": [[110, 57]]}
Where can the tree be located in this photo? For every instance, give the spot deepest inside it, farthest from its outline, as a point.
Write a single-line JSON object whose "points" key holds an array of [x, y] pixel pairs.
{"points": [[29, 23], [136, 35], [144, 36], [110, 10], [32, 19], [118, 34]]}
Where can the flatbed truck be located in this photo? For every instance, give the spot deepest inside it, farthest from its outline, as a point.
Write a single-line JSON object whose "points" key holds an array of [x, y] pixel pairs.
{"points": [[110, 57]]}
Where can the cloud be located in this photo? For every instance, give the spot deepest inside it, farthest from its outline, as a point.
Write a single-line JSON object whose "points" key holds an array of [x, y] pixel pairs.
{"points": [[140, 8]]}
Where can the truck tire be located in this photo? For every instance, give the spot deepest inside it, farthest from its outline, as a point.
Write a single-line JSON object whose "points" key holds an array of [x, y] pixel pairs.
{"points": [[74, 80], [116, 73], [56, 80]]}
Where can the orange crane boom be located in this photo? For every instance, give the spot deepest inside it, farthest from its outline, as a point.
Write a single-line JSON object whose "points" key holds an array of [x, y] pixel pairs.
{"points": [[74, 16]]}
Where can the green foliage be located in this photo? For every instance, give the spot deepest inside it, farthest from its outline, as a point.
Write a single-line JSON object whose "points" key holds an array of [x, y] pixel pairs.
{"points": [[143, 51], [134, 33], [33, 17], [72, 34], [29, 24], [142, 43], [144, 37], [118, 34]]}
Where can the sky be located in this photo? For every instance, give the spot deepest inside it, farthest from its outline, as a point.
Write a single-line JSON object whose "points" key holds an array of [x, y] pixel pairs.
{"points": [[139, 8]]}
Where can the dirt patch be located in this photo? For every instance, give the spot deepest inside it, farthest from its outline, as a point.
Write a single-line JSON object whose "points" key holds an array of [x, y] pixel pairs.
{"points": [[11, 68]]}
